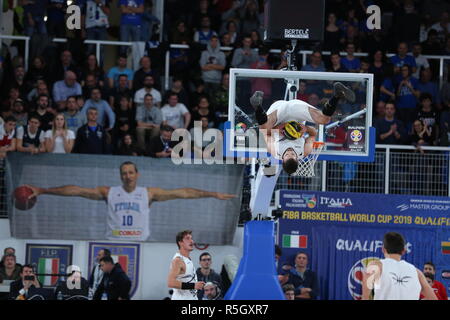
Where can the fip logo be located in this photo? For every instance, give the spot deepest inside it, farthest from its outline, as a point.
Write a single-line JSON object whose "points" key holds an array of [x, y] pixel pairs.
{"points": [[355, 277], [240, 127], [311, 201], [356, 135]]}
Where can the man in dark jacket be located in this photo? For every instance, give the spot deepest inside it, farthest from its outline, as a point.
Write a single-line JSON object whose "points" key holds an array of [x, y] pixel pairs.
{"points": [[206, 274], [161, 146], [304, 280], [115, 284], [92, 137], [23, 288]]}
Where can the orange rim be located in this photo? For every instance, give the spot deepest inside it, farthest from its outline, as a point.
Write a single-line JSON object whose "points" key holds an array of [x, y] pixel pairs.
{"points": [[318, 144]]}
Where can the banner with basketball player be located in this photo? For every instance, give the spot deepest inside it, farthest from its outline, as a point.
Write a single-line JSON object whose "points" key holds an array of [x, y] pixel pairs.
{"points": [[343, 232], [79, 218]]}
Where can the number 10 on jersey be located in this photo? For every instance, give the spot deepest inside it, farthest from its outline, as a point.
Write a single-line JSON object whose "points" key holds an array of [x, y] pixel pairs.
{"points": [[127, 221]]}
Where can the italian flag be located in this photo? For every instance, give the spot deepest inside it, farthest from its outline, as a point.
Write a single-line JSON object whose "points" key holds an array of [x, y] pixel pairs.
{"points": [[122, 260], [445, 246], [48, 266], [295, 241]]}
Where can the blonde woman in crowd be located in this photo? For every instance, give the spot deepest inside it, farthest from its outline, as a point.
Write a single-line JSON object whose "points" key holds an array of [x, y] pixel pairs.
{"points": [[59, 139]]}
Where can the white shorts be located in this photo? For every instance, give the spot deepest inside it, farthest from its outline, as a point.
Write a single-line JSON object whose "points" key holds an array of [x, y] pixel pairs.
{"points": [[296, 110]]}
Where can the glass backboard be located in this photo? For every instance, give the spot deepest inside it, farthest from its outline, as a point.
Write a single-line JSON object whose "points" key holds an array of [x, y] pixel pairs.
{"points": [[348, 137]]}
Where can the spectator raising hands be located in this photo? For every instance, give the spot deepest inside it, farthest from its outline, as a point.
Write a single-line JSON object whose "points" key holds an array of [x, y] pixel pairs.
{"points": [[421, 135]]}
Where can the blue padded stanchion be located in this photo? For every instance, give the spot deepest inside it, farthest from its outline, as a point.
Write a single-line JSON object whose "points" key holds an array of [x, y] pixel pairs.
{"points": [[256, 278]]}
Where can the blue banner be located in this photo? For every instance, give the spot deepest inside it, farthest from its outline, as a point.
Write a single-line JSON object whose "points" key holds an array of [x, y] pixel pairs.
{"points": [[342, 232]]}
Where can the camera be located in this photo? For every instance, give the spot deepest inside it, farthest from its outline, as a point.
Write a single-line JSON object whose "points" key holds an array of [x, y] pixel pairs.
{"points": [[29, 278]]}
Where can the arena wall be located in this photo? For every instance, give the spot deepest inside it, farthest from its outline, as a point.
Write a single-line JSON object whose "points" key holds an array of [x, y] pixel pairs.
{"points": [[154, 259]]}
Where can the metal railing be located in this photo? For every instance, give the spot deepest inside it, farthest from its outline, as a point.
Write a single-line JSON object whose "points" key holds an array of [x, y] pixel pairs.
{"points": [[396, 170], [98, 44], [167, 62], [21, 38], [441, 59], [303, 53]]}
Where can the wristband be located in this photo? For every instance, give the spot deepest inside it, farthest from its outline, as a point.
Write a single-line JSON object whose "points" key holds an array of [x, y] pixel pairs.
{"points": [[187, 286]]}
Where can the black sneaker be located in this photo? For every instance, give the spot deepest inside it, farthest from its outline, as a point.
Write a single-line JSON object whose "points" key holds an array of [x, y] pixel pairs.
{"points": [[256, 99], [343, 92]]}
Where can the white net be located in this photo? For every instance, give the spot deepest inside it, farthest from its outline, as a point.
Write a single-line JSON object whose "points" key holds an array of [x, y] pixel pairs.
{"points": [[306, 164]]}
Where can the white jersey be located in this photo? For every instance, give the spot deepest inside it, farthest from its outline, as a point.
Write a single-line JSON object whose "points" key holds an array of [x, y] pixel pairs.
{"points": [[128, 214], [292, 110], [399, 281], [190, 276], [282, 144]]}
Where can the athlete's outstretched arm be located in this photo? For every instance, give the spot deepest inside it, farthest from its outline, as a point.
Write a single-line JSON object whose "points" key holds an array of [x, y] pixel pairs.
{"points": [[158, 194], [99, 193]]}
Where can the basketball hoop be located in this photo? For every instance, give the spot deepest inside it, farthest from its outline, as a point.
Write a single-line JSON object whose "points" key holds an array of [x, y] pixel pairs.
{"points": [[306, 164]]}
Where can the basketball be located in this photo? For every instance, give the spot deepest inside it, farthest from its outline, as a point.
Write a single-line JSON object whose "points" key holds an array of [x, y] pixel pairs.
{"points": [[292, 130], [21, 200]]}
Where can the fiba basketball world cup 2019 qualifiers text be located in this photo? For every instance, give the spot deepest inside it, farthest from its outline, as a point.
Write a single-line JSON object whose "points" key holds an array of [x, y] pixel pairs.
{"points": [[228, 309]]}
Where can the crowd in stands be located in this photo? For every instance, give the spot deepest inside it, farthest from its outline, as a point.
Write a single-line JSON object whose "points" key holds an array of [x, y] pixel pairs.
{"points": [[66, 102]]}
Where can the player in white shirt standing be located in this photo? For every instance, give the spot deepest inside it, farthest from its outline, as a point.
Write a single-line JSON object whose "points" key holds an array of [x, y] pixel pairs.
{"points": [[393, 278], [129, 205], [182, 276]]}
